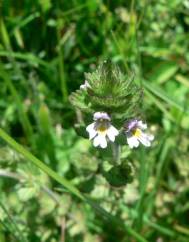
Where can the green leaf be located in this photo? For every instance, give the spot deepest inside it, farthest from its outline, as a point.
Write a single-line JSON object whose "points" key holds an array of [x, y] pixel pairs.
{"points": [[119, 175], [80, 100]]}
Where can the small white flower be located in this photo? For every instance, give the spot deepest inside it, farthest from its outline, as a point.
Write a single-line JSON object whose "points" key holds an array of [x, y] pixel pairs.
{"points": [[101, 130], [85, 86], [136, 135]]}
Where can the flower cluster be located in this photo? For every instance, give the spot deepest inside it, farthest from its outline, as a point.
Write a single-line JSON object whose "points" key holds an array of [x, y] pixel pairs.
{"points": [[101, 131], [106, 89]]}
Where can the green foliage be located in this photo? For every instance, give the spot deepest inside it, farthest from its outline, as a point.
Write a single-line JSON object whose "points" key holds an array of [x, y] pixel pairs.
{"points": [[119, 175], [56, 186], [110, 91], [80, 100]]}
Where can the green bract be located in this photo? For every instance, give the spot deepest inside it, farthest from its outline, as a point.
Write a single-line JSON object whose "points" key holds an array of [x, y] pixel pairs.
{"points": [[110, 91]]}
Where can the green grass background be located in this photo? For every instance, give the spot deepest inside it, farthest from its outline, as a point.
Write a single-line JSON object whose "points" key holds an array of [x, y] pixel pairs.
{"points": [[51, 187]]}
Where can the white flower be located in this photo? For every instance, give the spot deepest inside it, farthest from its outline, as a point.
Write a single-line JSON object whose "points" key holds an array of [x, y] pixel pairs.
{"points": [[85, 85], [101, 130], [136, 135]]}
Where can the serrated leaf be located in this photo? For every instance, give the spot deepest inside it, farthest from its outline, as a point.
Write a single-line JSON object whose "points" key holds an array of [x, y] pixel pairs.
{"points": [[79, 100]]}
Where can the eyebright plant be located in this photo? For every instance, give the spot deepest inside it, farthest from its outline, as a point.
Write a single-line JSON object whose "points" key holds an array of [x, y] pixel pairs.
{"points": [[110, 104], [112, 100]]}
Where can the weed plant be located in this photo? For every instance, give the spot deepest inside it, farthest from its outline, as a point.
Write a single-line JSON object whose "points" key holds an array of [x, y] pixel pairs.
{"points": [[54, 184]]}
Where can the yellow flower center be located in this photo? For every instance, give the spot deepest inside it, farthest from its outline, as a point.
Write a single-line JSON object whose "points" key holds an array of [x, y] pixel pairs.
{"points": [[102, 129], [137, 133], [102, 126]]}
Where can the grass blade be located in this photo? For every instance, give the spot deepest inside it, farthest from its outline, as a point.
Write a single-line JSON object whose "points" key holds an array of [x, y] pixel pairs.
{"points": [[159, 93], [13, 224], [22, 114]]}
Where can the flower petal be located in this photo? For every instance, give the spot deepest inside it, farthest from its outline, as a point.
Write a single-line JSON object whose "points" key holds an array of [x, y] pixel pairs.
{"points": [[91, 130], [100, 140], [96, 141], [90, 127], [132, 142], [92, 134], [142, 125], [143, 138], [85, 85], [101, 115], [103, 142], [112, 132]]}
